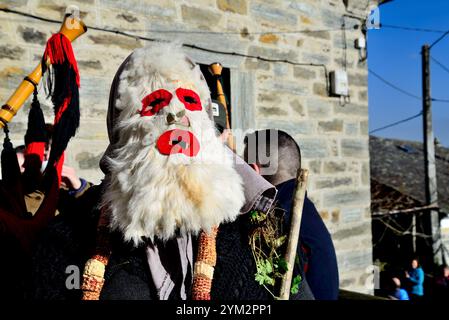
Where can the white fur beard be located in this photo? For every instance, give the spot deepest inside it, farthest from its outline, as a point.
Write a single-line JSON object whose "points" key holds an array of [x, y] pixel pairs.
{"points": [[151, 195]]}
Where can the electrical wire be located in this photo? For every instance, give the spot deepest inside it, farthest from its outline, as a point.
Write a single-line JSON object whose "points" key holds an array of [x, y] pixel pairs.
{"points": [[192, 46], [402, 90], [442, 66], [393, 85], [397, 123], [439, 39], [29, 15], [389, 26]]}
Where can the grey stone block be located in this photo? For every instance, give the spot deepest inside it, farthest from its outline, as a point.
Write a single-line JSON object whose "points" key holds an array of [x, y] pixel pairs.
{"points": [[319, 34], [347, 233], [273, 14], [334, 166], [351, 110], [335, 125], [351, 215], [291, 87], [199, 16], [351, 129], [353, 260], [31, 35], [87, 160], [315, 166], [235, 6], [297, 107], [357, 79], [270, 53], [313, 148], [254, 64], [271, 111], [303, 8], [281, 69], [332, 182], [336, 198], [269, 97], [320, 89], [317, 108], [357, 148], [304, 73], [318, 58], [116, 40], [365, 174], [292, 128], [90, 64], [11, 52], [364, 127]]}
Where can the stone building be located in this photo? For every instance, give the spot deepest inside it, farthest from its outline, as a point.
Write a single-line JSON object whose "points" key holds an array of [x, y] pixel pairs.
{"points": [[310, 37]]}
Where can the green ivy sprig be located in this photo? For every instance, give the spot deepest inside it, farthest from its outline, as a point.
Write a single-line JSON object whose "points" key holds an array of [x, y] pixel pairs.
{"points": [[266, 241]]}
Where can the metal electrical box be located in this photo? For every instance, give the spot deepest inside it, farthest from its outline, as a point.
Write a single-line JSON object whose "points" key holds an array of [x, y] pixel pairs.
{"points": [[339, 83]]}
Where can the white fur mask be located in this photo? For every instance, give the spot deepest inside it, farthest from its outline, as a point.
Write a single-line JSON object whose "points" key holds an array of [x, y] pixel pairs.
{"points": [[169, 172]]}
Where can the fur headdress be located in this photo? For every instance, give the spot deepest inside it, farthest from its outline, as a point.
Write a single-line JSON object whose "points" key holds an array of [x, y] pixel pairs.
{"points": [[152, 193]]}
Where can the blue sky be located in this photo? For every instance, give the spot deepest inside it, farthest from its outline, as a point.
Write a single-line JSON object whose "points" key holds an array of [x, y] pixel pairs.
{"points": [[395, 55]]}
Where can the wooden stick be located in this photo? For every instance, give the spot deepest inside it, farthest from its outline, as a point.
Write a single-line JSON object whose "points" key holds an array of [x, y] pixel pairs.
{"points": [[292, 245], [72, 28], [215, 69]]}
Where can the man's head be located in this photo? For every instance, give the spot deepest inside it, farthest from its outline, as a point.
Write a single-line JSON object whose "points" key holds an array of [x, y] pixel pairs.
{"points": [[397, 282], [20, 152], [274, 154], [168, 171], [415, 263], [446, 271]]}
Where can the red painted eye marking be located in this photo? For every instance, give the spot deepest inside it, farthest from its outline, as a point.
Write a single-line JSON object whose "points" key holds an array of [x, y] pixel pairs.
{"points": [[154, 102], [190, 99]]}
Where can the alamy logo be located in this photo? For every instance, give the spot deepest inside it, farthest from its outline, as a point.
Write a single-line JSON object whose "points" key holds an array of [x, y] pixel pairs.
{"points": [[373, 18], [73, 277]]}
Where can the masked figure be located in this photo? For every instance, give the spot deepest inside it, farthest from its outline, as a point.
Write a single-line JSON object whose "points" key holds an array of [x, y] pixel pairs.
{"points": [[170, 220]]}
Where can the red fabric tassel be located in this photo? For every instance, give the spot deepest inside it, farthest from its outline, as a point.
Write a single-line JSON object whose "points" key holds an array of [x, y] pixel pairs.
{"points": [[57, 52], [62, 109], [57, 49], [59, 165], [36, 148]]}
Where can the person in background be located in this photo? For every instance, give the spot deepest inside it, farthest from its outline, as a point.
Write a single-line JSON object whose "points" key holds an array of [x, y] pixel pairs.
{"points": [[441, 284], [315, 242], [69, 179], [415, 276], [399, 293]]}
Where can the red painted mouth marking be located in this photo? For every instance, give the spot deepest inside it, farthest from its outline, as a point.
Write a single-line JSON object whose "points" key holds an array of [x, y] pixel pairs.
{"points": [[178, 141]]}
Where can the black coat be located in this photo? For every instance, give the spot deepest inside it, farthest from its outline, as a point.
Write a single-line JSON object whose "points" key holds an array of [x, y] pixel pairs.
{"points": [[68, 241]]}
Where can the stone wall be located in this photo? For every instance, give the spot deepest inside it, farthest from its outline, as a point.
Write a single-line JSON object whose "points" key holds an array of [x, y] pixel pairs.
{"points": [[333, 137]]}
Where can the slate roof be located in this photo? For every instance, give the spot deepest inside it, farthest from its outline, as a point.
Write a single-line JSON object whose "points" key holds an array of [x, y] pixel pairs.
{"points": [[397, 167]]}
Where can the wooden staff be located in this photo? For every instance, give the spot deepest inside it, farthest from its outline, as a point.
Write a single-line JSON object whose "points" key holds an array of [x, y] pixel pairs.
{"points": [[72, 28], [292, 245], [216, 69]]}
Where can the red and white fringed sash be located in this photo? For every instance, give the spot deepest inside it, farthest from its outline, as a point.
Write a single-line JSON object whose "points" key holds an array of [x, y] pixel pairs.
{"points": [[94, 269], [204, 266]]}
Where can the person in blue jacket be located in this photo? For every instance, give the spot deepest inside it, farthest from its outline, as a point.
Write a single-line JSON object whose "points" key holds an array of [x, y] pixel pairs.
{"points": [[276, 156], [399, 293], [415, 276]]}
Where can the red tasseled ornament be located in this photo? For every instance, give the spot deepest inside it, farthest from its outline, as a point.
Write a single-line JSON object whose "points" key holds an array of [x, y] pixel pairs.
{"points": [[58, 49], [63, 86]]}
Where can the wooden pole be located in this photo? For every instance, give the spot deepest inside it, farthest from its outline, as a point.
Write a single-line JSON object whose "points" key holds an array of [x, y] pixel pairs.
{"points": [[72, 28], [216, 69], [429, 157], [292, 245]]}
